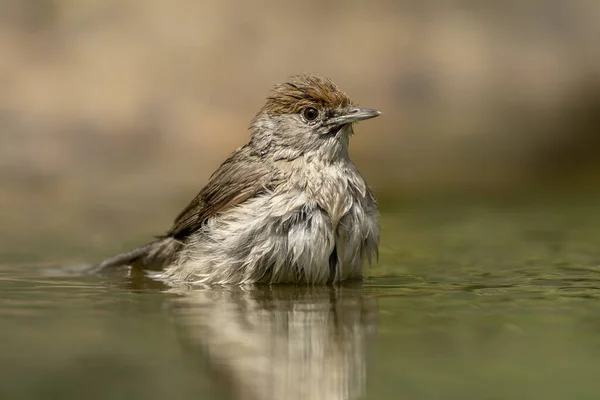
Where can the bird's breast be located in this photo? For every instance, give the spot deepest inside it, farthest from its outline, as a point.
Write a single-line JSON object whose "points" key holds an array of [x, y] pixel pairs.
{"points": [[328, 186]]}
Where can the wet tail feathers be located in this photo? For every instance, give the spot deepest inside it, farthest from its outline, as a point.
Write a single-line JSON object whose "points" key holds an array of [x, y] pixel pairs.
{"points": [[154, 256]]}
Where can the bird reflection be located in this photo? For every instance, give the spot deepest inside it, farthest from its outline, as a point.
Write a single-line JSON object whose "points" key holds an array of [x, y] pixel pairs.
{"points": [[282, 342]]}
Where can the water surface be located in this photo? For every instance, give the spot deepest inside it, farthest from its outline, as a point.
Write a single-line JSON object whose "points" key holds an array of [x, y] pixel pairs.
{"points": [[471, 299]]}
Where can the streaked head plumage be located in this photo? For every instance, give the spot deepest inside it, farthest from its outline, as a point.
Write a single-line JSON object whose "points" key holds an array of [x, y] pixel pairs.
{"points": [[303, 91], [307, 115]]}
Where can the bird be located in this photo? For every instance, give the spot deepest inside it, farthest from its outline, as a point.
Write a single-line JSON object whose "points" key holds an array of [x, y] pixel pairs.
{"points": [[289, 206]]}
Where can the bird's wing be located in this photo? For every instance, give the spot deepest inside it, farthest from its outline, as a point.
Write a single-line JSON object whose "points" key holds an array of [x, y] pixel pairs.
{"points": [[241, 177]]}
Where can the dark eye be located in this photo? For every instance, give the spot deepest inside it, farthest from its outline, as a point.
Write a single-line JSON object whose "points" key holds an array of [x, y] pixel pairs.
{"points": [[310, 113]]}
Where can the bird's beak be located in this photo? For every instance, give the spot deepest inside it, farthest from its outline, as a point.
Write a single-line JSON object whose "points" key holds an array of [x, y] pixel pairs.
{"points": [[355, 114]]}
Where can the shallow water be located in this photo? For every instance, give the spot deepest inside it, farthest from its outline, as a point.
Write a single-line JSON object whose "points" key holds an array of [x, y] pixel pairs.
{"points": [[471, 299]]}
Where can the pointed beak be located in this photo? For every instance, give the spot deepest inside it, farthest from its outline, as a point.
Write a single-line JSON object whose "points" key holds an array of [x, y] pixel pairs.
{"points": [[355, 114]]}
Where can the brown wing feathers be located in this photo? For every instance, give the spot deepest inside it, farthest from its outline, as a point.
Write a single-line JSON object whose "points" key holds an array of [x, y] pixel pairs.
{"points": [[238, 179]]}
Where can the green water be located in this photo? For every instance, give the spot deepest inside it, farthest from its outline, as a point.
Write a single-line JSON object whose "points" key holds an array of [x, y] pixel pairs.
{"points": [[483, 299]]}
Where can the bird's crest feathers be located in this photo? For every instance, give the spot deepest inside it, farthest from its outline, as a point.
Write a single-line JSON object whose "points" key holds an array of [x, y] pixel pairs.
{"points": [[303, 91]]}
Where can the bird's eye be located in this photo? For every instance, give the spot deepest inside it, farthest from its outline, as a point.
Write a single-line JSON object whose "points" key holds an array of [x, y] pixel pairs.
{"points": [[310, 113]]}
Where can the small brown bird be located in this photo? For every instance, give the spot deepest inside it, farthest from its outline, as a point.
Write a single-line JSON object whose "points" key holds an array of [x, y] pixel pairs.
{"points": [[287, 207]]}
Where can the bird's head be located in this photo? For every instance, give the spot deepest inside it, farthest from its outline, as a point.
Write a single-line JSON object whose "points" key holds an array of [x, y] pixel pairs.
{"points": [[307, 116]]}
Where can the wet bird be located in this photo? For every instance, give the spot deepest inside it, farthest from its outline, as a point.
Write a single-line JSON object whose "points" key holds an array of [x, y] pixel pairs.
{"points": [[287, 207]]}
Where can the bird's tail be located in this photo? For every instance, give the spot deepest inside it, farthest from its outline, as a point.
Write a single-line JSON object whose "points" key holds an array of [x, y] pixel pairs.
{"points": [[154, 255]]}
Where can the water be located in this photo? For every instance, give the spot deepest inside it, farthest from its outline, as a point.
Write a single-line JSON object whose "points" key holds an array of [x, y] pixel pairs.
{"points": [[472, 299]]}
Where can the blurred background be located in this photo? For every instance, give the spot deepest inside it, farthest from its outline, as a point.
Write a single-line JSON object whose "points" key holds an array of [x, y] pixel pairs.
{"points": [[486, 163], [113, 114]]}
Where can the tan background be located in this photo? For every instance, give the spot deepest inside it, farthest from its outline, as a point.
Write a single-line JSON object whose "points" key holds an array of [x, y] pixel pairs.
{"points": [[122, 109]]}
